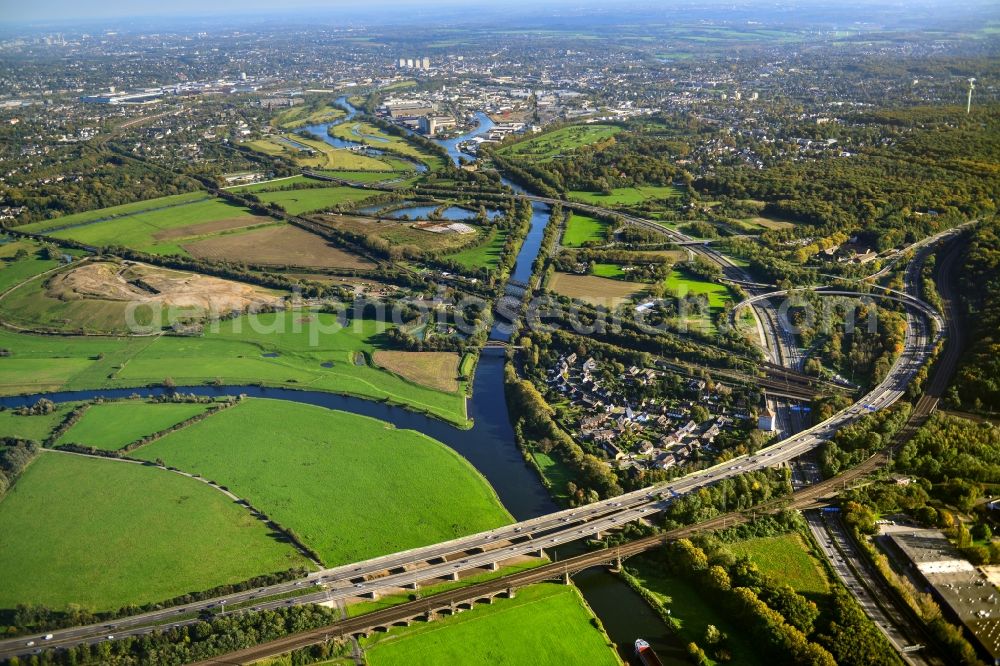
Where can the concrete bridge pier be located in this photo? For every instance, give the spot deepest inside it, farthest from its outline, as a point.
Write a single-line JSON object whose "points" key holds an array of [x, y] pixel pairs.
{"points": [[511, 593], [453, 575], [566, 579], [492, 566], [412, 586], [538, 553]]}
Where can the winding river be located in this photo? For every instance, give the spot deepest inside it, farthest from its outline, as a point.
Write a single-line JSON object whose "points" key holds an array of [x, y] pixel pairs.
{"points": [[490, 445]]}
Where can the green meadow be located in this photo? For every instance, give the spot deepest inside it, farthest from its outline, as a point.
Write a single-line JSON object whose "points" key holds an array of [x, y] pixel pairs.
{"points": [[581, 229], [350, 487], [15, 271], [293, 349], [112, 425], [691, 612], [366, 133], [115, 211], [484, 255], [625, 196], [545, 625], [297, 202], [787, 560], [140, 230], [682, 283], [34, 426], [103, 534], [549, 145]]}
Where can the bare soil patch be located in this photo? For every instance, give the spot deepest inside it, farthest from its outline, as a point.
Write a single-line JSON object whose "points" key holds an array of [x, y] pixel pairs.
{"points": [[593, 289], [131, 282], [398, 233], [277, 246]]}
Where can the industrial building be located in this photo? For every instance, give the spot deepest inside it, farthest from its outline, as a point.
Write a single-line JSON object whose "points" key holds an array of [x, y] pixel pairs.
{"points": [[964, 592]]}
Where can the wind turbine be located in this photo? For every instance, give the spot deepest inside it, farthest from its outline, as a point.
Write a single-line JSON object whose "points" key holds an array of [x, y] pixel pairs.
{"points": [[968, 105]]}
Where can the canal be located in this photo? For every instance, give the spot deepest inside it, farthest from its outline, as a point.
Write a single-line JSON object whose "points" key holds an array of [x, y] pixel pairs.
{"points": [[489, 445]]}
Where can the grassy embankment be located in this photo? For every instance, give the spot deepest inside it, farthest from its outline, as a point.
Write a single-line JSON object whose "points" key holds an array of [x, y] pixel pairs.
{"points": [[103, 534], [350, 487], [298, 346], [545, 624], [112, 425]]}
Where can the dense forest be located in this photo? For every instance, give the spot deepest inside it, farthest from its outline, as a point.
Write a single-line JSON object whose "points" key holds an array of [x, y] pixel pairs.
{"points": [[977, 386]]}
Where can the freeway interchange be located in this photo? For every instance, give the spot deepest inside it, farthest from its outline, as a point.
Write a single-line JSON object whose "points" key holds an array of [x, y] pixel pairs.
{"points": [[487, 551]]}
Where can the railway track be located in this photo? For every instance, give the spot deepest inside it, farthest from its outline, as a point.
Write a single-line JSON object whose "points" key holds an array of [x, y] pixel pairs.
{"points": [[813, 496]]}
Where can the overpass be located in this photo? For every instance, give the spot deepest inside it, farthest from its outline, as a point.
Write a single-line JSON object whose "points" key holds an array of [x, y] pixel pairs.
{"points": [[490, 549], [466, 598]]}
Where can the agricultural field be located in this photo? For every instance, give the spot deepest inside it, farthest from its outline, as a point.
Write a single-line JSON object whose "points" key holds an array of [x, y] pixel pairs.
{"points": [[328, 475], [277, 245], [594, 289], [103, 534], [787, 559], [437, 370], [103, 214], [398, 233], [626, 196], [126, 297], [546, 625], [551, 145], [583, 229], [158, 230], [297, 202], [34, 426], [485, 255], [112, 425]]}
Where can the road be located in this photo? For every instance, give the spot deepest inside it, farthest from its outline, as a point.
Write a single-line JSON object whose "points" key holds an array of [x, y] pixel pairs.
{"points": [[870, 591], [492, 548], [415, 610]]}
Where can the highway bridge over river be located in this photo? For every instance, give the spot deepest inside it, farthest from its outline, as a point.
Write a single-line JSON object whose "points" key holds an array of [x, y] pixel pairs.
{"points": [[491, 549]]}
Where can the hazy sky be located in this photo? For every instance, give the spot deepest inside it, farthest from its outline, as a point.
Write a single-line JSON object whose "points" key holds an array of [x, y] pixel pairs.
{"points": [[52, 11]]}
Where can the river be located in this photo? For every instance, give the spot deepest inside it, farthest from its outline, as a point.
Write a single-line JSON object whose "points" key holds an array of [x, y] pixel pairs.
{"points": [[490, 445], [483, 125]]}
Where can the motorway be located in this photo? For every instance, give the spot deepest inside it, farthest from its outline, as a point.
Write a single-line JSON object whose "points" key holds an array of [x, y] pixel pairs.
{"points": [[871, 592], [490, 549]]}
